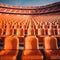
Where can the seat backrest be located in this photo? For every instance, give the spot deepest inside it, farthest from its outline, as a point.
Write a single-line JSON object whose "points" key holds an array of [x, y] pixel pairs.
{"points": [[8, 31], [51, 30], [10, 51], [40, 31], [31, 42], [20, 32], [31, 30], [11, 43], [50, 43], [0, 31]]}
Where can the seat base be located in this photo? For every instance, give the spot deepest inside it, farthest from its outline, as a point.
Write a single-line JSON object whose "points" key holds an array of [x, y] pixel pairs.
{"points": [[35, 57], [56, 57], [5, 57]]}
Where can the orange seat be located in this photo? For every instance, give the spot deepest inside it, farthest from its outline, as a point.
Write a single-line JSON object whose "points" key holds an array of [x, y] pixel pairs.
{"points": [[0, 31], [8, 31], [24, 27], [31, 30], [36, 29], [1, 25], [45, 29], [40, 31], [51, 30], [14, 29], [15, 26], [31, 49], [40, 34], [20, 34], [10, 50], [58, 31], [51, 48]]}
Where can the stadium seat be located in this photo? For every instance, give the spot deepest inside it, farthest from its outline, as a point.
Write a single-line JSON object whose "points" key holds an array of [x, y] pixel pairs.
{"points": [[40, 31], [1, 25], [15, 26], [31, 30], [0, 31], [45, 29], [10, 51], [58, 31], [8, 31], [58, 34], [40, 34], [51, 48], [14, 31], [51, 30], [36, 29], [20, 34], [31, 49], [24, 27]]}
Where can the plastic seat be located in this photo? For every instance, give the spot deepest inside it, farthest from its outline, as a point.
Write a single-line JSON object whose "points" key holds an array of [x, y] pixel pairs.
{"points": [[51, 48], [31, 49], [20, 34], [10, 51], [14, 31], [58, 29], [41, 34], [1, 25], [40, 31], [14, 27], [31, 31], [8, 31], [45, 29], [0, 32], [36, 29], [24, 27], [51, 30]]}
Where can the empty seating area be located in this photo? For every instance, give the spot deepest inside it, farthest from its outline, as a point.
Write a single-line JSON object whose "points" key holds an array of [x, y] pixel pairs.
{"points": [[29, 37], [30, 32], [14, 25]]}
